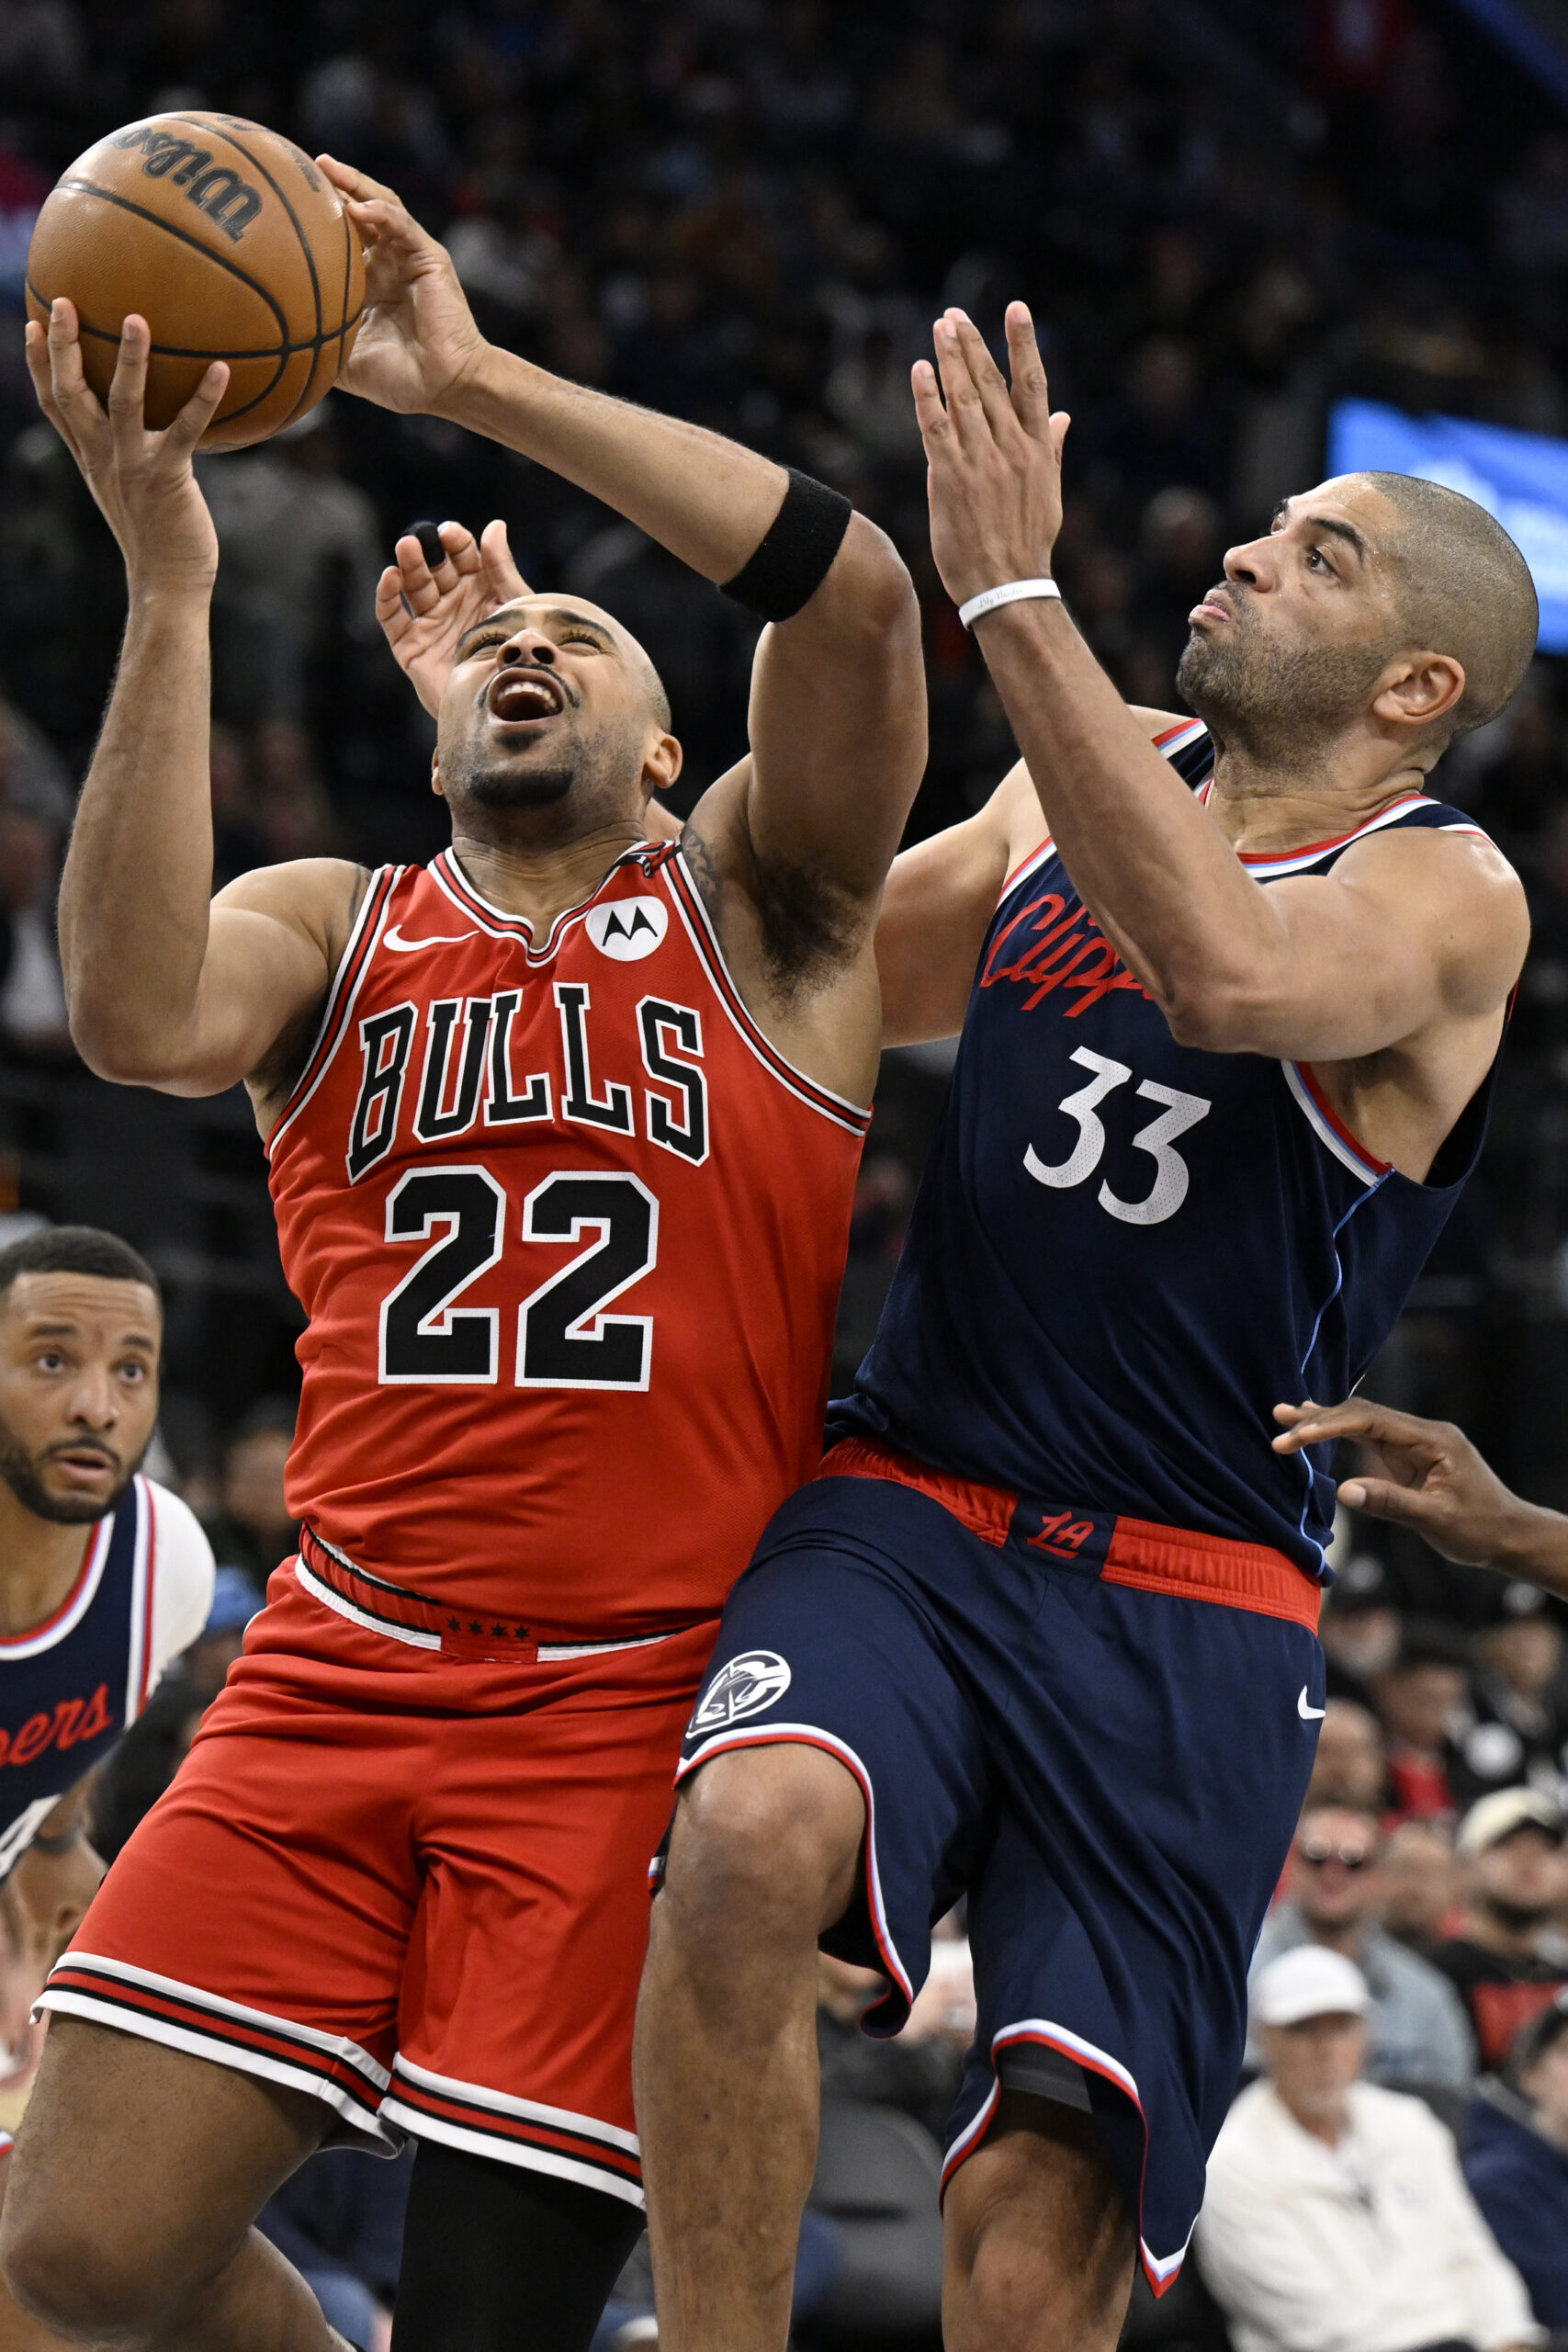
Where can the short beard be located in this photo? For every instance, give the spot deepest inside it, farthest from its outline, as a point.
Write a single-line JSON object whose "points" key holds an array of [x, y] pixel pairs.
{"points": [[514, 787], [16, 1470], [1518, 1918], [1279, 705]]}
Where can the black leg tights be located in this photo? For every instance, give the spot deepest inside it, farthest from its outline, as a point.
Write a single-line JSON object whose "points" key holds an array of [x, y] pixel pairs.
{"points": [[500, 2259]]}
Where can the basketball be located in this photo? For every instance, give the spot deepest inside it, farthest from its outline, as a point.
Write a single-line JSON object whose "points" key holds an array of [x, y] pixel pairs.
{"points": [[229, 243]]}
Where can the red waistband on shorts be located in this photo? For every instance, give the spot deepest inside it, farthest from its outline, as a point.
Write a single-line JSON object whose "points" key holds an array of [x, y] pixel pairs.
{"points": [[479, 1637], [1141, 1553]]}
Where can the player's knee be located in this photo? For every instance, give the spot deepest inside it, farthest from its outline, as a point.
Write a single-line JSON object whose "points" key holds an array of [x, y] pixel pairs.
{"points": [[1036, 2226], [766, 1843], [79, 2275]]}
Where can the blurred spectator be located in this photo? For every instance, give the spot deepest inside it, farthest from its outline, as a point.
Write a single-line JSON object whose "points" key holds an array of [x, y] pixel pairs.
{"points": [[1332, 1888], [339, 2222], [1348, 1768], [919, 2071], [237, 843], [1418, 1884], [292, 811], [251, 1528], [1517, 1700], [32, 774], [1509, 1960], [301, 553], [1528, 786], [32, 993], [209, 1657], [1516, 2159], [1360, 1628], [1335, 2217], [1419, 1696]]}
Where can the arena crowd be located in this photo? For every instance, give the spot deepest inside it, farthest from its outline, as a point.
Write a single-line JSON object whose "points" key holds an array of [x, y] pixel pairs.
{"points": [[746, 212]]}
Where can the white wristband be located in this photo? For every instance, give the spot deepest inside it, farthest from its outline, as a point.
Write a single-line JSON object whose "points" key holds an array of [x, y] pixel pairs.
{"points": [[1014, 592]]}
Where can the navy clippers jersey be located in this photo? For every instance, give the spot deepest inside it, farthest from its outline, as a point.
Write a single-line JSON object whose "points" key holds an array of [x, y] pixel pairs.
{"points": [[69, 1687], [1125, 1252]]}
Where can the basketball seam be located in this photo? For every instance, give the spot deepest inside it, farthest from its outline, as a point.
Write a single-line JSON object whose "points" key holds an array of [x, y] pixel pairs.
{"points": [[314, 347], [172, 228], [180, 351]]}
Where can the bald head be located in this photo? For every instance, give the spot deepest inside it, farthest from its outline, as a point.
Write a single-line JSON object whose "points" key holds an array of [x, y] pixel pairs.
{"points": [[1464, 590]]}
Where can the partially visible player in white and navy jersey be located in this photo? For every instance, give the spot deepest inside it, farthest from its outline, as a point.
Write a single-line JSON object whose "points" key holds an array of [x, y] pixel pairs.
{"points": [[104, 1576], [1043, 1631]]}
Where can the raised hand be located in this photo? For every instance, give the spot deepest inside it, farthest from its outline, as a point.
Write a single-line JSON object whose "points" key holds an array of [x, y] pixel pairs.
{"points": [[423, 608], [142, 482], [994, 456], [417, 342], [1428, 1475]]}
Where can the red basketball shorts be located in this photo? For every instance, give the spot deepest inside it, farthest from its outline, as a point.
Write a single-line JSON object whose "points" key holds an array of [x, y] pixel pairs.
{"points": [[413, 1884]]}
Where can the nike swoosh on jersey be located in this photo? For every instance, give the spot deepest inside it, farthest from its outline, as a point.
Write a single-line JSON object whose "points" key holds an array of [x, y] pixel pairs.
{"points": [[1309, 1714], [401, 946]]}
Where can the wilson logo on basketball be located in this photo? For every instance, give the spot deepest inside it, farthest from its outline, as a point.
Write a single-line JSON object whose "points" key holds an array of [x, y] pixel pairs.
{"points": [[214, 188]]}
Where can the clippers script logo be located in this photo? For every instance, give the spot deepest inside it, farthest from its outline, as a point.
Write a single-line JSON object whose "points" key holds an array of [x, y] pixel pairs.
{"points": [[756, 1679], [629, 929]]}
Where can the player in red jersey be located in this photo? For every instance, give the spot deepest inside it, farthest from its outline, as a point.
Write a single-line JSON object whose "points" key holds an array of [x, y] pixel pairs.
{"points": [[563, 1129]]}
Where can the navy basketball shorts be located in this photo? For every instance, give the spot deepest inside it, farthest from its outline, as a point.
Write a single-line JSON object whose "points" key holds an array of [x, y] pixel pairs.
{"points": [[1098, 1730]]}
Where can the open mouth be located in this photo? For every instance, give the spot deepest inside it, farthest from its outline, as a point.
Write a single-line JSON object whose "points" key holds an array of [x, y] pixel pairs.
{"points": [[86, 1462], [517, 696]]}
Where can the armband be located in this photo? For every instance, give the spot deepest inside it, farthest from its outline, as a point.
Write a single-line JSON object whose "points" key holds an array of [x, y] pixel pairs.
{"points": [[796, 552]]}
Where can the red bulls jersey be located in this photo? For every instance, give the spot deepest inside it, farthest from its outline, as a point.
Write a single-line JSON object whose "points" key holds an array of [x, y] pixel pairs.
{"points": [[569, 1232]]}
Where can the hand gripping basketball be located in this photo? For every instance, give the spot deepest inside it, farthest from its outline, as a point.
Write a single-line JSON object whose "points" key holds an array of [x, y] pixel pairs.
{"points": [[417, 342], [143, 482]]}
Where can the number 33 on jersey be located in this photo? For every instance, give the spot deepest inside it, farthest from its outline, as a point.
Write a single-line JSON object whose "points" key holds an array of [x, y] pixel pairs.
{"points": [[569, 1233]]}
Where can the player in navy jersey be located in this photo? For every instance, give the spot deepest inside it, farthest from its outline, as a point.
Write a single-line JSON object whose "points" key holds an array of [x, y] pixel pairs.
{"points": [[1044, 1631], [103, 1578]]}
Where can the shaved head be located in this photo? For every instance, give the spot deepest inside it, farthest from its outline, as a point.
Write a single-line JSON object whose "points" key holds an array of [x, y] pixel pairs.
{"points": [[1372, 583], [1465, 590]]}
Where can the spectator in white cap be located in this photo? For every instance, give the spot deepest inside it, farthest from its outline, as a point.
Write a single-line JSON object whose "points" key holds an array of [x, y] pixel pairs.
{"points": [[1333, 1888], [1337, 2218], [1509, 1960]]}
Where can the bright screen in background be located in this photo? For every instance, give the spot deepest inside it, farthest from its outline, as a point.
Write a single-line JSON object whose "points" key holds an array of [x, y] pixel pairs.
{"points": [[1522, 478]]}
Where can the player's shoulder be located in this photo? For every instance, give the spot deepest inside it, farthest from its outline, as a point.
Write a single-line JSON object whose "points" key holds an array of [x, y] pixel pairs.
{"points": [[183, 1573], [319, 896], [175, 1526], [1440, 866]]}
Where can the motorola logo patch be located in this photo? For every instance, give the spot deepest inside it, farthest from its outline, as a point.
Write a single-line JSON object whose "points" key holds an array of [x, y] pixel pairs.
{"points": [[629, 929]]}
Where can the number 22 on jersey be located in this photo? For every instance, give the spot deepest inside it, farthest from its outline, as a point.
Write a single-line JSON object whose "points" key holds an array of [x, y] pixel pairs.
{"points": [[564, 1338]]}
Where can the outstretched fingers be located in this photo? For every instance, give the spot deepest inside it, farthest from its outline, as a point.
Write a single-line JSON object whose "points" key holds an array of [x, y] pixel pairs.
{"points": [[1030, 392], [357, 186], [965, 410], [930, 413], [127, 386], [392, 608], [421, 583], [1358, 1416], [991, 384], [503, 578], [187, 429]]}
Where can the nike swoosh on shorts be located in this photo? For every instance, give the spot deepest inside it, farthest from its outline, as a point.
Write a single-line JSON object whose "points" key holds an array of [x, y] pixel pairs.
{"points": [[1309, 1714]]}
